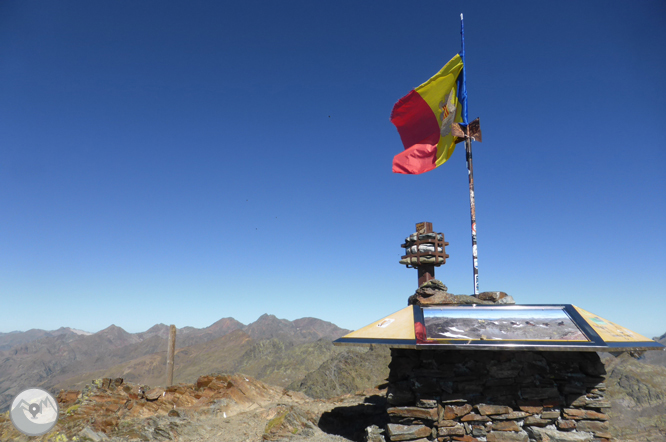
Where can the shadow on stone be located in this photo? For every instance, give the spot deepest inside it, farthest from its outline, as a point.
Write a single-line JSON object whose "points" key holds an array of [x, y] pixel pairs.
{"points": [[376, 399], [351, 422]]}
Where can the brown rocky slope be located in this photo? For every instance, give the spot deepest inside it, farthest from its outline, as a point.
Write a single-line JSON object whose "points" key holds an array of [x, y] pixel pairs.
{"points": [[218, 407], [638, 397]]}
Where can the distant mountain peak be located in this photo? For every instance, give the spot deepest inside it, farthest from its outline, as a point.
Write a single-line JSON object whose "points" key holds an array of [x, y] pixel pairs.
{"points": [[112, 328], [266, 316], [297, 331], [157, 327], [230, 324], [117, 335]]}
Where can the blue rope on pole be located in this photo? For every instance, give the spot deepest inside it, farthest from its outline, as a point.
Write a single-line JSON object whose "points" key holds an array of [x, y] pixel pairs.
{"points": [[462, 81]]}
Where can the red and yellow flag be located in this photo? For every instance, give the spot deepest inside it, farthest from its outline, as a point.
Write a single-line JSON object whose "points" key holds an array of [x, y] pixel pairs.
{"points": [[423, 118]]}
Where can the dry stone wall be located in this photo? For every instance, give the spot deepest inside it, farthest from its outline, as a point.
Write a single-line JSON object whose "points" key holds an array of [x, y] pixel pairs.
{"points": [[496, 396]]}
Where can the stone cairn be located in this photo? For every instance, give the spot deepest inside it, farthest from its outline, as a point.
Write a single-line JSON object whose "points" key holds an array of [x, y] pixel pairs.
{"points": [[496, 396], [493, 396]]}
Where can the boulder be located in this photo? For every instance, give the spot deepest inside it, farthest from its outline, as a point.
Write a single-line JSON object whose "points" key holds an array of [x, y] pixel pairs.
{"points": [[154, 394]]}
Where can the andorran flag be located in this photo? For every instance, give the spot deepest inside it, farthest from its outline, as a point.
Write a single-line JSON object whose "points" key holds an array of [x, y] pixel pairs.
{"points": [[424, 117]]}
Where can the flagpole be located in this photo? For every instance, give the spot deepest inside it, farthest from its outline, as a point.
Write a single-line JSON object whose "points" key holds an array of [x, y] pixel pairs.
{"points": [[468, 158], [470, 174]]}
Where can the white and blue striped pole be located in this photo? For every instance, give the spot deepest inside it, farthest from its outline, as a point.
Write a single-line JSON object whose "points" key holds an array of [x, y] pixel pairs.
{"points": [[462, 94]]}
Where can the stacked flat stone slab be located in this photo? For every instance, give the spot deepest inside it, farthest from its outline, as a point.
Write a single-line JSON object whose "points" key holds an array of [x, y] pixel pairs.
{"points": [[434, 293], [496, 396]]}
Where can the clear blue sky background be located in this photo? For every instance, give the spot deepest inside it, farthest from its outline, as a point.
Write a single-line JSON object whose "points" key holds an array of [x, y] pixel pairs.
{"points": [[180, 162]]}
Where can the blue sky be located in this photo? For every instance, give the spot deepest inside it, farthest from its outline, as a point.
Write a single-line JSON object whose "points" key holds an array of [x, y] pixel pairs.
{"points": [[180, 162]]}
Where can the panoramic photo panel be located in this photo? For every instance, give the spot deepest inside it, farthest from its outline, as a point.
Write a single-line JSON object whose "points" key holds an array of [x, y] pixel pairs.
{"points": [[501, 324]]}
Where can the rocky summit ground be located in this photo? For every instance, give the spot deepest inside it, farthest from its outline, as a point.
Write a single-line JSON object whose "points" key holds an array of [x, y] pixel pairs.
{"points": [[239, 408], [218, 407], [285, 356]]}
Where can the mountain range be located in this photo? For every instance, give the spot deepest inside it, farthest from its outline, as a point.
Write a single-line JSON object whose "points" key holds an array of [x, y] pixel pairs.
{"points": [[276, 351], [297, 355]]}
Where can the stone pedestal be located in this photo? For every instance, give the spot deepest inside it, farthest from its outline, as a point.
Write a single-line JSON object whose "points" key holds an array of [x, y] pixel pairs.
{"points": [[496, 396]]}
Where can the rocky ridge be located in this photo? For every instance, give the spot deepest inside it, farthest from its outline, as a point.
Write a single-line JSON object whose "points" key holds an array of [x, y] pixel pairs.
{"points": [[65, 359], [637, 391], [656, 357], [217, 407]]}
